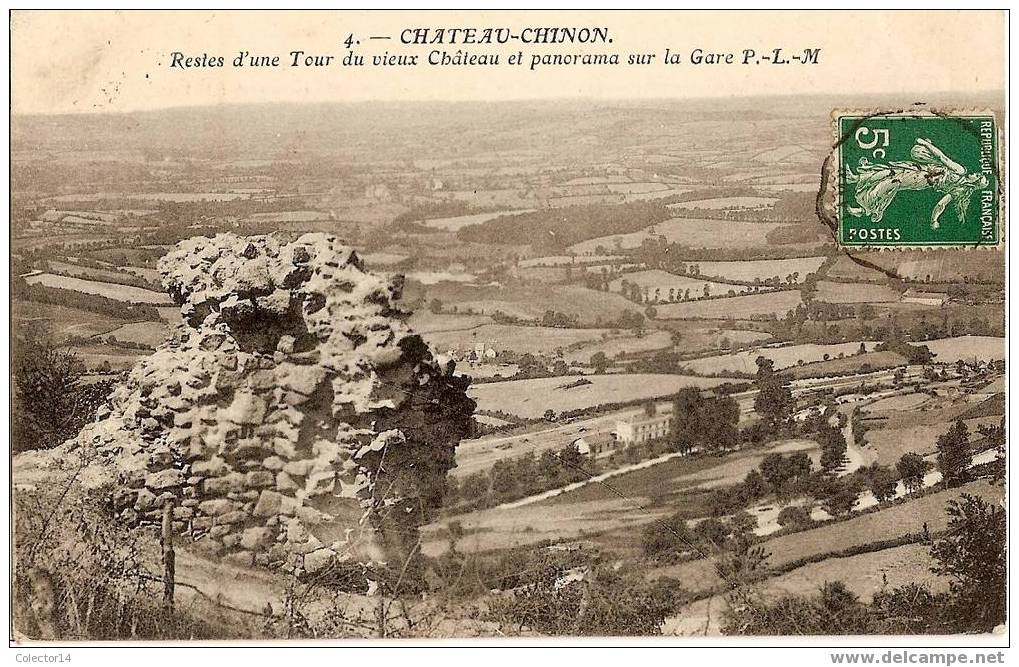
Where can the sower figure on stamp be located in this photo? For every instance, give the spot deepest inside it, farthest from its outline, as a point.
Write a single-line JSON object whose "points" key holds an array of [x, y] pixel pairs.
{"points": [[878, 184]]}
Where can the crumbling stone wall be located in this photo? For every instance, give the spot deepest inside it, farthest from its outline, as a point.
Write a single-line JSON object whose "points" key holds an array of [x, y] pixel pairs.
{"points": [[293, 419]]}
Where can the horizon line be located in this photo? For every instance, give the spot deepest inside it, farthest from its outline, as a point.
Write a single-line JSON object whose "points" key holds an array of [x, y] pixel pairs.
{"points": [[522, 100]]}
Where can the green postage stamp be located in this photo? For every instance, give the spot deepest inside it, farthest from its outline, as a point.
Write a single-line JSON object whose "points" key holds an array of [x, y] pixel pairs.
{"points": [[910, 179]]}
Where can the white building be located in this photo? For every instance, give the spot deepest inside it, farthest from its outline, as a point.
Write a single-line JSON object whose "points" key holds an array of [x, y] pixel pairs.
{"points": [[643, 428]]}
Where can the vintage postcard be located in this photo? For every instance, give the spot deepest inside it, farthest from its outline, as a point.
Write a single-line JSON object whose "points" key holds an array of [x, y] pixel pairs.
{"points": [[521, 326]]}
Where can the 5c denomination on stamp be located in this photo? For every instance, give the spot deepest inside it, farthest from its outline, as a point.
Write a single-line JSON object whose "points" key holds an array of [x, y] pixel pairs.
{"points": [[918, 179]]}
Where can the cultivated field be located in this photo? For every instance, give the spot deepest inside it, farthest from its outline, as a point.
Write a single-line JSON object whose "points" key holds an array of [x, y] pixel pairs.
{"points": [[933, 266], [425, 321], [762, 269], [622, 344], [863, 575], [845, 268], [146, 333], [435, 277], [784, 357], [967, 348], [460, 221], [290, 216], [889, 444], [531, 303], [738, 307], [85, 272], [727, 203], [61, 321], [109, 290], [567, 260], [850, 365], [692, 232], [942, 266], [663, 286], [854, 293], [531, 398], [521, 339], [373, 259]]}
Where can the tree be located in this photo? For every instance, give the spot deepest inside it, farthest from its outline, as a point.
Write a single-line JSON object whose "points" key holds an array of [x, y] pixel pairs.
{"points": [[882, 482], [435, 305], [712, 533], [742, 564], [50, 402], [774, 402], [667, 539], [755, 486], [549, 415], [839, 498], [743, 523], [708, 423], [572, 462], [912, 469], [954, 455], [833, 448], [972, 554], [995, 436], [599, 361], [780, 470], [504, 478]]}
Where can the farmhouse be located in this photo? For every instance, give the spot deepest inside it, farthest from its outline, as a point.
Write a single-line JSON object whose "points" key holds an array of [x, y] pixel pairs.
{"points": [[595, 444], [643, 428]]}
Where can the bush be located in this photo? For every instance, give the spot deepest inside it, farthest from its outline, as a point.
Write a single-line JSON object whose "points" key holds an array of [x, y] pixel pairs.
{"points": [[562, 596], [50, 402], [794, 516]]}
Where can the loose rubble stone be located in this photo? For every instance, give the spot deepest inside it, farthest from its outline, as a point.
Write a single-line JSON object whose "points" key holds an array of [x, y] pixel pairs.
{"points": [[316, 560], [164, 479], [257, 538]]}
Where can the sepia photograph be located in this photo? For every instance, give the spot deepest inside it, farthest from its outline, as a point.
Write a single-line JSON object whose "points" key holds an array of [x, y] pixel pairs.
{"points": [[529, 327]]}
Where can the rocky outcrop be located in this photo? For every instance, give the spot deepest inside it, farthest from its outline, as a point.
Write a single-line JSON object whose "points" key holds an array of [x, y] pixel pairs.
{"points": [[293, 420]]}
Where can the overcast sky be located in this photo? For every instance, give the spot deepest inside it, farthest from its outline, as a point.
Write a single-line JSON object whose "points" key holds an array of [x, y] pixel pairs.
{"points": [[66, 62]]}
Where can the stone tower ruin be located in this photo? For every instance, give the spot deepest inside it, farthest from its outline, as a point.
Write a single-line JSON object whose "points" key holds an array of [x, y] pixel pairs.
{"points": [[293, 420]]}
